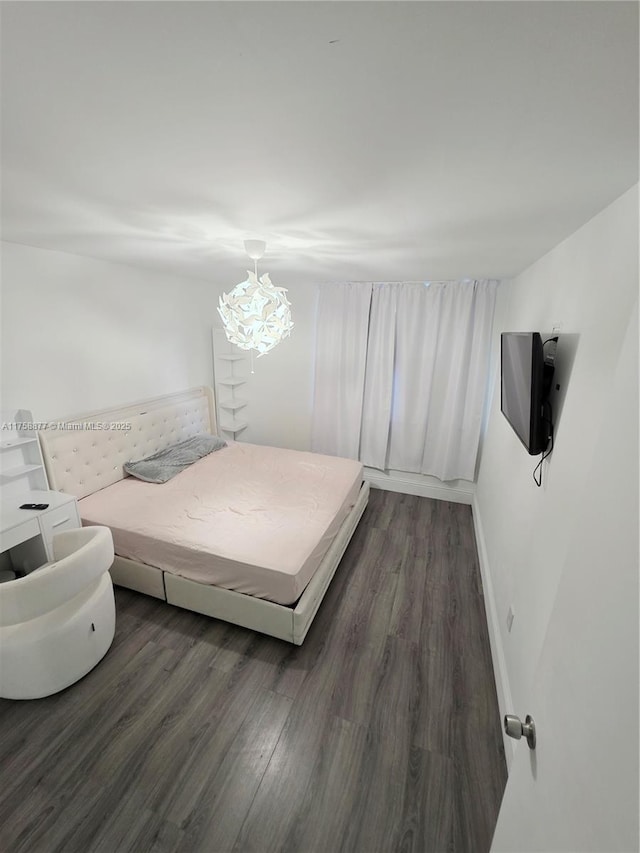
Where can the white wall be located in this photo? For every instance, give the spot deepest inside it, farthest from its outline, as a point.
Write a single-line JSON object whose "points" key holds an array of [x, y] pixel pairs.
{"points": [[579, 790], [589, 283], [81, 334]]}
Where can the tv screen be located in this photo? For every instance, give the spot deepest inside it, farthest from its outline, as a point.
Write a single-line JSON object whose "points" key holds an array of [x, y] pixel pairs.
{"points": [[523, 388]]}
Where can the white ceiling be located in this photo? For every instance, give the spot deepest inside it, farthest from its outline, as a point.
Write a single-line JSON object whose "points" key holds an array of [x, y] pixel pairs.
{"points": [[385, 141]]}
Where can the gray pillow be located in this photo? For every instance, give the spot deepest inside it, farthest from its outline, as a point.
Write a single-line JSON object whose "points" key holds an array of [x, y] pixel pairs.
{"points": [[165, 464]]}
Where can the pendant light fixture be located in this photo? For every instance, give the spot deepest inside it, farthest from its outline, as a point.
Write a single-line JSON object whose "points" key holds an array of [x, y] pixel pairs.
{"points": [[256, 314]]}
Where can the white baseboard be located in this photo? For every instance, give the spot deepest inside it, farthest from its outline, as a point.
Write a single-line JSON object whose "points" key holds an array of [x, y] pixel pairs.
{"points": [[416, 484], [503, 689]]}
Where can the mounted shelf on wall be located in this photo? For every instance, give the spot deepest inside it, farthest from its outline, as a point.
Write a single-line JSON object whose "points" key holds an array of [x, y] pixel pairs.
{"points": [[230, 371], [21, 465]]}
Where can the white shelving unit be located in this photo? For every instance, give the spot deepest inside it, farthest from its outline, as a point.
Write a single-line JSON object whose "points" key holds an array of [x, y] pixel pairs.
{"points": [[21, 465], [231, 371]]}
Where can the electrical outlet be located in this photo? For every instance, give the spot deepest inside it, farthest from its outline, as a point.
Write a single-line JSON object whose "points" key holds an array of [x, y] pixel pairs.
{"points": [[556, 328], [510, 616]]}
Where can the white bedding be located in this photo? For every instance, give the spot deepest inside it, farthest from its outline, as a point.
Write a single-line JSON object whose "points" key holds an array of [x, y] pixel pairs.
{"points": [[254, 519]]}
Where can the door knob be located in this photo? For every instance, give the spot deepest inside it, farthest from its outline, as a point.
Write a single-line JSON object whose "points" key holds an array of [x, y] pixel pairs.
{"points": [[515, 728]]}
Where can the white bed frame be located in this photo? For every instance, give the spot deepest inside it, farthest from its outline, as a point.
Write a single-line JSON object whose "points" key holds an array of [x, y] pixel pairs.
{"points": [[84, 459]]}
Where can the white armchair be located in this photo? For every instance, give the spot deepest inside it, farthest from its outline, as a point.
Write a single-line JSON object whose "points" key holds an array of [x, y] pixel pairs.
{"points": [[58, 621]]}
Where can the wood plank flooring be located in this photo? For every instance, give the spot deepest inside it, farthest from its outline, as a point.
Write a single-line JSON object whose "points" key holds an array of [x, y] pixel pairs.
{"points": [[380, 734]]}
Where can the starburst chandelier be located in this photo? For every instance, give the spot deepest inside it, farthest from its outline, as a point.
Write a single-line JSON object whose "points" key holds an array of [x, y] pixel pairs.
{"points": [[256, 314]]}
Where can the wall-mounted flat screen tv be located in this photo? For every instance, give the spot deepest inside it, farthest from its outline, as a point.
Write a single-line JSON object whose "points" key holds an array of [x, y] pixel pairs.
{"points": [[524, 388]]}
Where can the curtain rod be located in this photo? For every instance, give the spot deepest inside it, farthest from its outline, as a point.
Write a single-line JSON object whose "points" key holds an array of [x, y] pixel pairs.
{"points": [[420, 281]]}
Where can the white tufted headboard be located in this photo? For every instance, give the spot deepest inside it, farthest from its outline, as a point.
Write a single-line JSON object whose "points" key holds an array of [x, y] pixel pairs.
{"points": [[82, 460]]}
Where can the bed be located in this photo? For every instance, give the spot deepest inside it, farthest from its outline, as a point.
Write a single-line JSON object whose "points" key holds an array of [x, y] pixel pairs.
{"points": [[248, 534]]}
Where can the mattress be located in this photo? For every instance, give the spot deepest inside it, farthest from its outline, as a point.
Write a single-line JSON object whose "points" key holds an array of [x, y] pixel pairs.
{"points": [[249, 518]]}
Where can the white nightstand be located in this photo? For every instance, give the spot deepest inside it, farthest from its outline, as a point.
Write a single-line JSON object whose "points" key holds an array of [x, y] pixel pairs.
{"points": [[26, 535]]}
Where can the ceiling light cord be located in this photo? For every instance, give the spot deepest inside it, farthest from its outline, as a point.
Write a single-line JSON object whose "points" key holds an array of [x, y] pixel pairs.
{"points": [[255, 269]]}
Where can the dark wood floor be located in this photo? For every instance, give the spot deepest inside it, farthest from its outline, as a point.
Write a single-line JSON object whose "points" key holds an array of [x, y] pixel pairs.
{"points": [[381, 733]]}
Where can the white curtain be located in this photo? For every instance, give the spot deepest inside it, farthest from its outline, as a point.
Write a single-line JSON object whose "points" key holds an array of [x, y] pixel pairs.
{"points": [[461, 380], [341, 353], [424, 386], [379, 376], [443, 336]]}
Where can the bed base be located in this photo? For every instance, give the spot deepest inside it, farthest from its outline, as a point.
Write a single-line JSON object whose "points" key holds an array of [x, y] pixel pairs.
{"points": [[276, 620]]}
